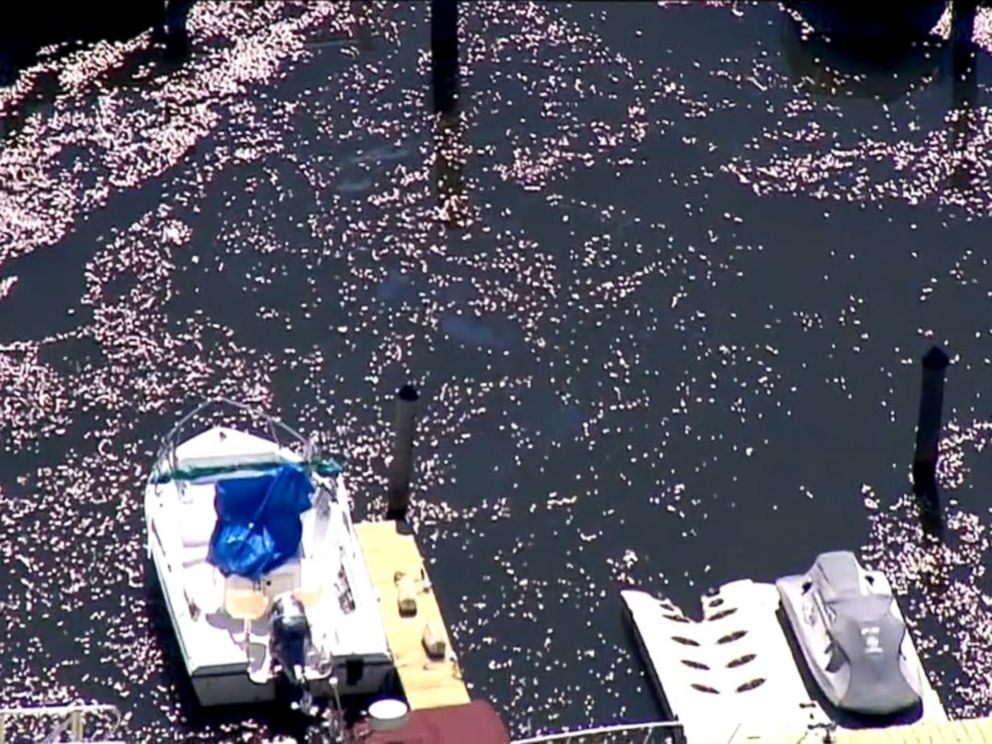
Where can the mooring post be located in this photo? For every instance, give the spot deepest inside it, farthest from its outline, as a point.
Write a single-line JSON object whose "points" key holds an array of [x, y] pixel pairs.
{"points": [[173, 29], [361, 13], [444, 53], [927, 453], [401, 467], [963, 14], [964, 66], [964, 87], [8, 76], [449, 165]]}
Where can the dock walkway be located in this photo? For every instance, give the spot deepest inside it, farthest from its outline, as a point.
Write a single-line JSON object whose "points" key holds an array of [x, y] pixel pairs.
{"points": [[970, 731], [389, 555]]}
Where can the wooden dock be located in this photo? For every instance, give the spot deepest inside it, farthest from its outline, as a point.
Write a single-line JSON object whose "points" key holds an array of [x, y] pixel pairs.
{"points": [[952, 732], [977, 730], [390, 555]]}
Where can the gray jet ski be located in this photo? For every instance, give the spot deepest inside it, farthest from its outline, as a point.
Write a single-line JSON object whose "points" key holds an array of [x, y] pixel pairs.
{"points": [[854, 638]]}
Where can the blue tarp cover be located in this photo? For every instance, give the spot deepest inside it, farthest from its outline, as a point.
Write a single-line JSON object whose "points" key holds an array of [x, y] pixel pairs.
{"points": [[258, 521]]}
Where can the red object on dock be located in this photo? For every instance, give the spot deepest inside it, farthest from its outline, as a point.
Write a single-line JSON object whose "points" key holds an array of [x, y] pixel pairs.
{"points": [[475, 722]]}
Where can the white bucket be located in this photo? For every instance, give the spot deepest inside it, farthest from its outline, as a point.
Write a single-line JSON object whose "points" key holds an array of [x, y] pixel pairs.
{"points": [[388, 714]]}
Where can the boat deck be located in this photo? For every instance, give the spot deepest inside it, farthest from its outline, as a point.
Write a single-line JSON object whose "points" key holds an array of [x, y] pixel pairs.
{"points": [[427, 683], [183, 529], [737, 661]]}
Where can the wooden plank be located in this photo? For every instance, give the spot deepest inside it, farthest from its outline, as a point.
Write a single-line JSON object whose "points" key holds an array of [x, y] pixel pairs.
{"points": [[941, 732], [427, 683], [970, 731], [978, 731]]}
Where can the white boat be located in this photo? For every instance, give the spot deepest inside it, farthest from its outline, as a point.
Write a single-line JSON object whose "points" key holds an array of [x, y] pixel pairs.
{"points": [[853, 637], [262, 573]]}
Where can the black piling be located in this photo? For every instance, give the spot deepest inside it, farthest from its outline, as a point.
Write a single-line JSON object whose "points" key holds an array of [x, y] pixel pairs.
{"points": [[362, 18], [449, 168], [401, 467], [964, 87], [927, 452], [444, 54], [963, 14], [8, 67], [172, 28]]}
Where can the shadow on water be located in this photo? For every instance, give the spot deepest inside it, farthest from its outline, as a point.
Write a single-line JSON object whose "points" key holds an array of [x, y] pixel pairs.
{"points": [[885, 66], [141, 69], [871, 29], [71, 25], [826, 67], [449, 165], [930, 513], [927, 453], [964, 53], [31, 41]]}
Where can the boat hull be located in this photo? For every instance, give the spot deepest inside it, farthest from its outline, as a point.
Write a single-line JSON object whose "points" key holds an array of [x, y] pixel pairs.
{"points": [[232, 684], [226, 488], [214, 688]]}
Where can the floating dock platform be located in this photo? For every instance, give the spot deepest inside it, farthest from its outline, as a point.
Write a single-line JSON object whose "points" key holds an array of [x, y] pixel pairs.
{"points": [[733, 676], [397, 568]]}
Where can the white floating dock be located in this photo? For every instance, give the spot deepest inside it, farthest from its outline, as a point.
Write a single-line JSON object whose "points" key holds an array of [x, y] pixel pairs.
{"points": [[731, 676]]}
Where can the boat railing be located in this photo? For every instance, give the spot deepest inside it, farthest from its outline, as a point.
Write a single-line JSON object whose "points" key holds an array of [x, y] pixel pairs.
{"points": [[166, 454], [651, 732], [62, 721]]}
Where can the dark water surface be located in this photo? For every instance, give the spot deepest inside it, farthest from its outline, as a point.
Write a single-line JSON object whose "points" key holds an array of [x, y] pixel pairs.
{"points": [[664, 283]]}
